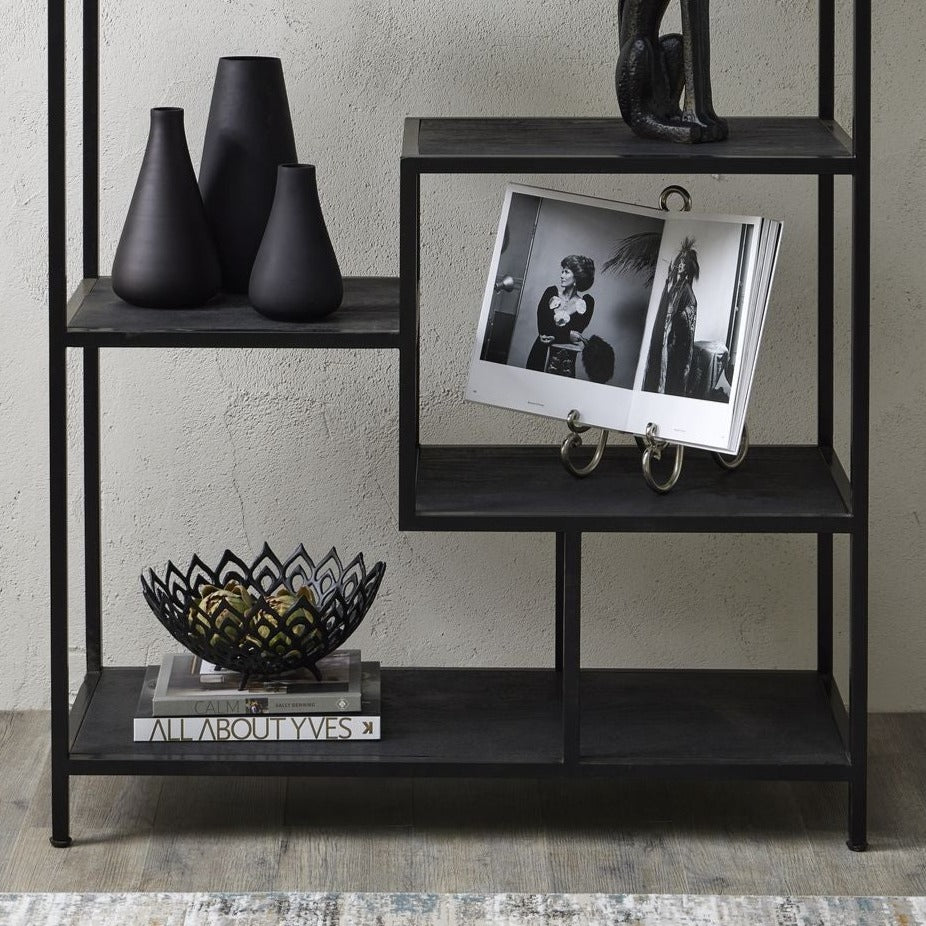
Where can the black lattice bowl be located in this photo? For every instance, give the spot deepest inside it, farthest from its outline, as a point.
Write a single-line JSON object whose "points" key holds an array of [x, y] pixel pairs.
{"points": [[267, 618]]}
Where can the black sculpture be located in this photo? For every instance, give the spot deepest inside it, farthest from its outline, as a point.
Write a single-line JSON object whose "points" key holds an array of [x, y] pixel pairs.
{"points": [[653, 71]]}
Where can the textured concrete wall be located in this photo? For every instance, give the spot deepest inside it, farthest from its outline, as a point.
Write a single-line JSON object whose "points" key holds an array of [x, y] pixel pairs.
{"points": [[208, 449]]}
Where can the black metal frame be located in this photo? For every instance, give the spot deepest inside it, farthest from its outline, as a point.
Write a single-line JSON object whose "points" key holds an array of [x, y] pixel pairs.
{"points": [[94, 708]]}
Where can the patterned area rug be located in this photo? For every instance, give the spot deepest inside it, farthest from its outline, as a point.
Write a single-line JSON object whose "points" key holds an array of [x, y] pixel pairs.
{"points": [[282, 909]]}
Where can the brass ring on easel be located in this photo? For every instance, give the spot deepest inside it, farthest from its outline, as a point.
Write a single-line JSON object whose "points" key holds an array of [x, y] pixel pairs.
{"points": [[725, 462], [575, 440], [654, 448], [675, 190]]}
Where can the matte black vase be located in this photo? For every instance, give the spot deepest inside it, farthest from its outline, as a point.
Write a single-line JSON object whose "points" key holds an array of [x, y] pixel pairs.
{"points": [[296, 277], [166, 258], [249, 134]]}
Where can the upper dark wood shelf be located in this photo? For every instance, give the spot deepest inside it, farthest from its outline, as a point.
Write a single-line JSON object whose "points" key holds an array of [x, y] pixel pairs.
{"points": [[779, 489], [368, 317], [757, 145]]}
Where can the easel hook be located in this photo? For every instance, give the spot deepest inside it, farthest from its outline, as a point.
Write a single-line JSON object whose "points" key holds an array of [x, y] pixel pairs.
{"points": [[654, 447], [575, 440]]}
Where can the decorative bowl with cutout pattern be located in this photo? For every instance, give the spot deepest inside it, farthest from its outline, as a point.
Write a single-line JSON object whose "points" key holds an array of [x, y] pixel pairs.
{"points": [[267, 618]]}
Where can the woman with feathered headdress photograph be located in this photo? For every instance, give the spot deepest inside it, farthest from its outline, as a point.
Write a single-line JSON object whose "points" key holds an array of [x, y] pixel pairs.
{"points": [[671, 347]]}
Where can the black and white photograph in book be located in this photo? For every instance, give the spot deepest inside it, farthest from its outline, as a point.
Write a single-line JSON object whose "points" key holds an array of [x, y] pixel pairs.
{"points": [[691, 346], [572, 290], [628, 315]]}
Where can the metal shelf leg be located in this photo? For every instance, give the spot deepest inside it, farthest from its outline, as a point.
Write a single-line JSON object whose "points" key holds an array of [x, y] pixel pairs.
{"points": [[858, 696], [57, 416], [60, 807]]}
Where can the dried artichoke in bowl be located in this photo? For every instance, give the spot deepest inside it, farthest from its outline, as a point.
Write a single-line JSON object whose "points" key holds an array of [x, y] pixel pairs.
{"points": [[225, 610], [286, 618]]}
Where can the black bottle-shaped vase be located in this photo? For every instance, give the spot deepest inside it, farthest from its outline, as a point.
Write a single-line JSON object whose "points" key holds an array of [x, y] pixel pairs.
{"points": [[296, 277], [166, 258], [248, 135]]}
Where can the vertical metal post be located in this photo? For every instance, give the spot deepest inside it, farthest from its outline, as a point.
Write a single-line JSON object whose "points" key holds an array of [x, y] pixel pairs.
{"points": [[558, 626], [825, 333], [91, 138], [572, 596], [825, 607], [826, 65], [861, 346], [409, 277], [93, 549], [57, 409]]}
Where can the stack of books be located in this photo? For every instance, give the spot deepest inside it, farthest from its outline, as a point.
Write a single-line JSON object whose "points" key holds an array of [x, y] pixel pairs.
{"points": [[185, 700]]}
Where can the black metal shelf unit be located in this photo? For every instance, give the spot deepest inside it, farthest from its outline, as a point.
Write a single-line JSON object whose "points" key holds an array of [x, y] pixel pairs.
{"points": [[675, 723], [562, 720]]}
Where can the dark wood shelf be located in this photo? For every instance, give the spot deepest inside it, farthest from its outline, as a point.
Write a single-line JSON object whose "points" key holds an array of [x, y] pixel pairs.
{"points": [[472, 722], [435, 721], [784, 489], [368, 317], [752, 724], [757, 145]]}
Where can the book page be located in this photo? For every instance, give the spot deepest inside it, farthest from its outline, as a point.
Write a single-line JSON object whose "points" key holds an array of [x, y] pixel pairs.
{"points": [[565, 306], [690, 367], [771, 244]]}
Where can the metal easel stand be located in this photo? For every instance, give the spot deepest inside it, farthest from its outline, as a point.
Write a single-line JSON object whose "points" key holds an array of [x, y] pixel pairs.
{"points": [[652, 448], [650, 445], [575, 440]]}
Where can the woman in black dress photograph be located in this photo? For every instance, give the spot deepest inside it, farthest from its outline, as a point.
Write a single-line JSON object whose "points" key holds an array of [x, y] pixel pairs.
{"points": [[562, 315]]}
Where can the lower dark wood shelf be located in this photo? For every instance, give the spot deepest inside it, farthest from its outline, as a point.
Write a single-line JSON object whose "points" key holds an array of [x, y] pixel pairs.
{"points": [[789, 489], [435, 721], [710, 723], [368, 317], [507, 722]]}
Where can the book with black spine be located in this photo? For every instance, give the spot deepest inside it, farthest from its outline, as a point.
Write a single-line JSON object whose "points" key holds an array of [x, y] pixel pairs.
{"points": [[149, 728], [188, 686]]}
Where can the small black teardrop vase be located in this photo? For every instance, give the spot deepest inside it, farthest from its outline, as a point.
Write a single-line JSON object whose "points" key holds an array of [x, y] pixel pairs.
{"points": [[248, 135], [296, 277], [166, 257]]}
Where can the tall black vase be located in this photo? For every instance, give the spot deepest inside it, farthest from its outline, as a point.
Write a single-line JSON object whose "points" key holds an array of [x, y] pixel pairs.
{"points": [[249, 134], [166, 258], [296, 277]]}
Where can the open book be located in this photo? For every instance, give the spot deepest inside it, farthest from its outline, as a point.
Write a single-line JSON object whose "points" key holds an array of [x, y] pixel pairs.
{"points": [[627, 314]]}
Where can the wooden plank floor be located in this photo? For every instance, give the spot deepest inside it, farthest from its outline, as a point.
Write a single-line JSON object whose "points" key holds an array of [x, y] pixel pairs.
{"points": [[197, 834]]}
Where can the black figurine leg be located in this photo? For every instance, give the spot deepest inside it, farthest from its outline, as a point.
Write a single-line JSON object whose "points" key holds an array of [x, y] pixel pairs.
{"points": [[699, 104], [643, 87], [673, 52]]}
